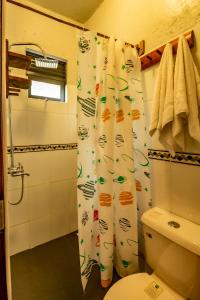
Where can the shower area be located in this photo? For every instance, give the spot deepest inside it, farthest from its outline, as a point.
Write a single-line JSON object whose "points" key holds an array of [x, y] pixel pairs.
{"points": [[41, 162]]}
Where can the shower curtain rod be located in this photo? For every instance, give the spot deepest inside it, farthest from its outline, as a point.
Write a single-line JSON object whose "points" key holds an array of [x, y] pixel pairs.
{"points": [[140, 46]]}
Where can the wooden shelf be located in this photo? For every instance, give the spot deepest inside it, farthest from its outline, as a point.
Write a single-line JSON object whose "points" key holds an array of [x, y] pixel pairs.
{"points": [[13, 83], [19, 61], [18, 82], [13, 91]]}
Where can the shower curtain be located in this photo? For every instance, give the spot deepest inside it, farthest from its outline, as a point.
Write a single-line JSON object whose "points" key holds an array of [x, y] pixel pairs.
{"points": [[113, 168]]}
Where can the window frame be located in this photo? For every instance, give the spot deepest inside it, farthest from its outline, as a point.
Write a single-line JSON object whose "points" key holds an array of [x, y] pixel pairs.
{"points": [[48, 77], [48, 80]]}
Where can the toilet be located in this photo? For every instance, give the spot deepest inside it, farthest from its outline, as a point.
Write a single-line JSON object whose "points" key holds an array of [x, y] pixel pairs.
{"points": [[172, 250]]}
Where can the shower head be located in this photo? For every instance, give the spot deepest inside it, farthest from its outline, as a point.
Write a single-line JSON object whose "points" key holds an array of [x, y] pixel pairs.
{"points": [[46, 63], [39, 61]]}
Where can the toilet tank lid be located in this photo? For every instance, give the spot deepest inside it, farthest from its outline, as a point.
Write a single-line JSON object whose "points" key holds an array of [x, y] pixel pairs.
{"points": [[167, 224]]}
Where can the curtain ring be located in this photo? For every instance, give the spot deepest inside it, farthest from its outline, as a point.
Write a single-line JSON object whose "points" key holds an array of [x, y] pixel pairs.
{"points": [[104, 39], [83, 30]]}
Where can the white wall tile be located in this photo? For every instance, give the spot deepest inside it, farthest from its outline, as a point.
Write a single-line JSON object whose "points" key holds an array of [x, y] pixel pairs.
{"points": [[57, 128], [19, 128], [63, 165], [18, 214], [40, 199], [192, 146], [72, 164], [186, 191], [38, 165], [60, 224], [40, 231], [60, 194], [37, 128], [57, 107], [161, 185], [19, 238], [36, 105], [64, 200]]}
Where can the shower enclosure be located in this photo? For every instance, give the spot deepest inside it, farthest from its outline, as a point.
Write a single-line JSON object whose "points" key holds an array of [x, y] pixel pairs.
{"points": [[18, 169], [41, 194]]}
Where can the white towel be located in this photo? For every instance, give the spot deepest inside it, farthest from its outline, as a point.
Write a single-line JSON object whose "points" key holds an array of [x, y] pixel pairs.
{"points": [[186, 96], [163, 101]]}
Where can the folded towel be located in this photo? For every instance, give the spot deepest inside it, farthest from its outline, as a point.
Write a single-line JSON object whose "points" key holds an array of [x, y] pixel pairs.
{"points": [[186, 96], [163, 101]]}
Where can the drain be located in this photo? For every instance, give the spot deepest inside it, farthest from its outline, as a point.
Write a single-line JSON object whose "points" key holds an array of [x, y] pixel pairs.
{"points": [[174, 224]]}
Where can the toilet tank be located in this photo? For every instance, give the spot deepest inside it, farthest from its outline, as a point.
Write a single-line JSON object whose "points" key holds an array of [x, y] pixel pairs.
{"points": [[172, 250]]}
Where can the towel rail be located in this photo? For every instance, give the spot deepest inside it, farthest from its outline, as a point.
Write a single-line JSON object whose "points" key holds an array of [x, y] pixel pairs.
{"points": [[153, 57]]}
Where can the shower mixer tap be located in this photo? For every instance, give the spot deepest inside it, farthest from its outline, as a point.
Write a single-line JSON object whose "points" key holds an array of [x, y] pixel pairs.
{"points": [[17, 171]]}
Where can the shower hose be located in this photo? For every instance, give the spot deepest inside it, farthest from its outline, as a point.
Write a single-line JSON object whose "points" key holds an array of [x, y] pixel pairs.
{"points": [[22, 192]]}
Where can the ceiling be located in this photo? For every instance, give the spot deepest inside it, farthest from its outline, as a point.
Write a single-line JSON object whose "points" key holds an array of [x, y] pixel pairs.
{"points": [[79, 10]]}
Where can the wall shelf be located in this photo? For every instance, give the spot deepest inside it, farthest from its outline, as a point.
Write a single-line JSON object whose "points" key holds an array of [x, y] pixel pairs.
{"points": [[19, 61], [19, 83], [13, 83], [14, 91]]}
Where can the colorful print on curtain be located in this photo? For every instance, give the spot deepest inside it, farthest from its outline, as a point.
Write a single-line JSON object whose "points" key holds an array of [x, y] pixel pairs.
{"points": [[113, 174]]}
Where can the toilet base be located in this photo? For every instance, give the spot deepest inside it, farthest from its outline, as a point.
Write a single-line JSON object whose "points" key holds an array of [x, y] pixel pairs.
{"points": [[141, 286]]}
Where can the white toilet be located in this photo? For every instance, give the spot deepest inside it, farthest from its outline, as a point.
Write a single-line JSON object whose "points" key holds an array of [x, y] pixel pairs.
{"points": [[172, 246]]}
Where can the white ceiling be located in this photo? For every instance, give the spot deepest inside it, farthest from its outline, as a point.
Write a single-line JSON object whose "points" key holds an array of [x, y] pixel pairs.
{"points": [[79, 10]]}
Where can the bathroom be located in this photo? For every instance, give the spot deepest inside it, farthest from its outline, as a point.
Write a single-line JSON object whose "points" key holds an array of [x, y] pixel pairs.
{"points": [[42, 231]]}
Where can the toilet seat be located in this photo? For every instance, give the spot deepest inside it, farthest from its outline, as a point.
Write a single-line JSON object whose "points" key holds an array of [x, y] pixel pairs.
{"points": [[141, 286]]}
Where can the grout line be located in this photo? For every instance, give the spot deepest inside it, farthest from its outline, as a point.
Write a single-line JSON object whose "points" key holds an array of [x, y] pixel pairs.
{"points": [[44, 111], [43, 182]]}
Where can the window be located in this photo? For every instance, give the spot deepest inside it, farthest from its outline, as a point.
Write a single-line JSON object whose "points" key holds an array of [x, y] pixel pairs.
{"points": [[47, 83]]}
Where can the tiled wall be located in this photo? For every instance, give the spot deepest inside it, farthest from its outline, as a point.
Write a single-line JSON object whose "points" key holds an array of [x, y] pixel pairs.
{"points": [[49, 208], [175, 185]]}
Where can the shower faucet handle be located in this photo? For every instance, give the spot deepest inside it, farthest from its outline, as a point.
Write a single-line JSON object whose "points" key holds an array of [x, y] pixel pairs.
{"points": [[20, 166], [17, 170]]}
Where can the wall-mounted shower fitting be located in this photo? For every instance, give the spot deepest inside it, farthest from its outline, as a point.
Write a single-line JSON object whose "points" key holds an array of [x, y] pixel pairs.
{"points": [[17, 170], [39, 61]]}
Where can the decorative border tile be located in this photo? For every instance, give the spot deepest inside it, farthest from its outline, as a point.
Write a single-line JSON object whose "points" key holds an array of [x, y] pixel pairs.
{"points": [[180, 157], [39, 148]]}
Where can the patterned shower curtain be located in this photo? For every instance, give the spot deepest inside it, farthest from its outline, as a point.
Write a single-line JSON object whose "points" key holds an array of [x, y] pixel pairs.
{"points": [[113, 168]]}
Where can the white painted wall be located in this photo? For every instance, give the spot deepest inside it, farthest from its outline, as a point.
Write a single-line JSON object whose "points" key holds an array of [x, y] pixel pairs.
{"points": [[174, 186], [48, 209], [154, 21]]}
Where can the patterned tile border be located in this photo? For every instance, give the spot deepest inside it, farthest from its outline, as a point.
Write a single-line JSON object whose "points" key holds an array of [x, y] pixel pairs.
{"points": [[180, 157], [39, 148]]}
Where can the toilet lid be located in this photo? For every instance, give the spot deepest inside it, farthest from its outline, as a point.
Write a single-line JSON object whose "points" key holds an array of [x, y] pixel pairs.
{"points": [[141, 286]]}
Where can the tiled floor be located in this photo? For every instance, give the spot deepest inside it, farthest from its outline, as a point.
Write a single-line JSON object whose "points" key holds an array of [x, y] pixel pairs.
{"points": [[51, 272]]}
